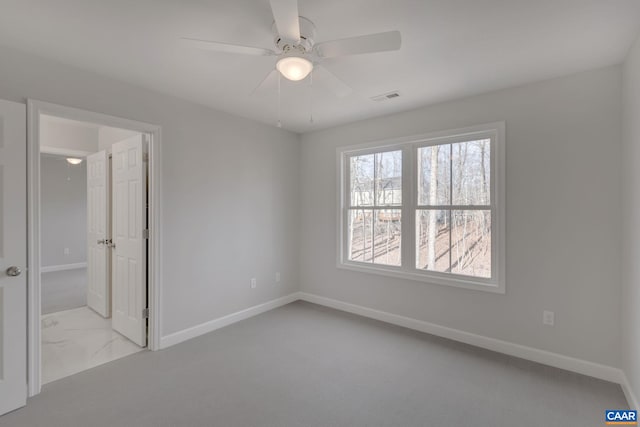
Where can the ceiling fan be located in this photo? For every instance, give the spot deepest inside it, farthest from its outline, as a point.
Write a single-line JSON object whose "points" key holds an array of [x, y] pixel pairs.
{"points": [[296, 51]]}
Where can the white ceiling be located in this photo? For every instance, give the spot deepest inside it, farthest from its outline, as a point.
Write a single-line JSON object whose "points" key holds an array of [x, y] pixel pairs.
{"points": [[450, 48]]}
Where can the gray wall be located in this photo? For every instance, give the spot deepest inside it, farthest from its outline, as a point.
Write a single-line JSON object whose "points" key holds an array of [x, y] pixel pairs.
{"points": [[631, 220], [230, 189], [64, 211], [563, 140]]}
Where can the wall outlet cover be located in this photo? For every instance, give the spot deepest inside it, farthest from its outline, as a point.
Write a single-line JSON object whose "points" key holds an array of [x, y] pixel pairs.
{"points": [[548, 317]]}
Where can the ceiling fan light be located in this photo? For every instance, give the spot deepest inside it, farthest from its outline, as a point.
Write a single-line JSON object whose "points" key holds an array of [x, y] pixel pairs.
{"points": [[294, 68], [74, 160]]}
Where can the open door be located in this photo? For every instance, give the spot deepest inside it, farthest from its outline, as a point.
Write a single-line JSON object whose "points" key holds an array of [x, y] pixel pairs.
{"points": [[98, 271], [13, 256], [129, 225]]}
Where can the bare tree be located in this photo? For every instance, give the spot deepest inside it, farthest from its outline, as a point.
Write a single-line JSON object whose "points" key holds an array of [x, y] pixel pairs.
{"points": [[462, 197], [483, 171], [360, 196], [433, 200]]}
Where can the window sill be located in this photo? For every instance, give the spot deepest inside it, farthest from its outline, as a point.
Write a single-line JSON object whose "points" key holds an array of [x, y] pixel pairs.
{"points": [[455, 281]]}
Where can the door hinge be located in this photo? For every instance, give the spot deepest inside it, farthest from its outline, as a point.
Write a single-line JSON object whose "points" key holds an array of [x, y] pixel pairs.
{"points": [[145, 233], [145, 313]]}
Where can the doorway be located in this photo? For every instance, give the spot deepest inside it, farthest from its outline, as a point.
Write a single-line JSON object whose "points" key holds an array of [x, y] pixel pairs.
{"points": [[93, 301], [79, 329]]}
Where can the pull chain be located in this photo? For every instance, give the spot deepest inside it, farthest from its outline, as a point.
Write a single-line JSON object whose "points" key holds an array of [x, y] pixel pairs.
{"points": [[279, 101], [311, 97]]}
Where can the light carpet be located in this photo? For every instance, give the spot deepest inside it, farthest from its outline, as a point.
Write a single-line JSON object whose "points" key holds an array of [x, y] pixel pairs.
{"points": [[306, 365]]}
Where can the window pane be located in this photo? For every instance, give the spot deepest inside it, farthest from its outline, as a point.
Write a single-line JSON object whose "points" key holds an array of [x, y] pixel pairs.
{"points": [[361, 186], [360, 235], [432, 240], [471, 243], [380, 226], [434, 175], [471, 172], [387, 232], [388, 178]]}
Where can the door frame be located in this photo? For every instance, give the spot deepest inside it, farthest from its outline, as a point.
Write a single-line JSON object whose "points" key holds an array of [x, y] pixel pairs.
{"points": [[34, 109]]}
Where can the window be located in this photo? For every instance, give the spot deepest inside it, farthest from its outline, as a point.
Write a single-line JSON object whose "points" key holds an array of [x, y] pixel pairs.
{"points": [[428, 208], [375, 226]]}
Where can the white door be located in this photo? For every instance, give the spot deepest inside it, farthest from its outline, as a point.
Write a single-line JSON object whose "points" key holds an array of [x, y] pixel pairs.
{"points": [[13, 256], [129, 222], [98, 271]]}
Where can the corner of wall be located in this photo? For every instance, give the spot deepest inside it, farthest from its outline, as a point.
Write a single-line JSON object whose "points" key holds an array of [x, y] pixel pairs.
{"points": [[630, 212]]}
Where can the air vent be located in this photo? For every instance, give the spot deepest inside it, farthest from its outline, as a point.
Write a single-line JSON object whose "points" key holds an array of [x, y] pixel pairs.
{"points": [[386, 96]]}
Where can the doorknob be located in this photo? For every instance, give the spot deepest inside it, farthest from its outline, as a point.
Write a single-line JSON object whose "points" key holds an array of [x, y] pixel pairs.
{"points": [[101, 242], [13, 271]]}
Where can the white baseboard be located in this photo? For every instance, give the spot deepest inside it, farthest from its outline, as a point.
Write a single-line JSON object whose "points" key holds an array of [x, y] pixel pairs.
{"points": [[556, 360], [580, 366], [632, 399], [212, 325], [63, 267]]}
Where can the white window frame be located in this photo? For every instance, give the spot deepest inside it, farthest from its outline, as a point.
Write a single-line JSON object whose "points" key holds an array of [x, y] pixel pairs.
{"points": [[409, 146]]}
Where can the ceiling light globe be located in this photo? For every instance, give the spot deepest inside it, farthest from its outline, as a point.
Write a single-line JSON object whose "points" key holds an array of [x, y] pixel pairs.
{"points": [[294, 68], [74, 160]]}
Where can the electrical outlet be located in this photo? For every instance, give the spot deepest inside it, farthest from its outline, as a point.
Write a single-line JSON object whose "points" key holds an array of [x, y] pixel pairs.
{"points": [[66, 251], [254, 283], [278, 277], [548, 317]]}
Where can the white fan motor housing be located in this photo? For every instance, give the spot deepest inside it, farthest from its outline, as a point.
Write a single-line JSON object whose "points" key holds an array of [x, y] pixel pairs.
{"points": [[307, 37]]}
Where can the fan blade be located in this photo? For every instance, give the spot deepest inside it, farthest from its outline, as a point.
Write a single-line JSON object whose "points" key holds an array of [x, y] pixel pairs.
{"points": [[331, 81], [285, 13], [227, 47], [379, 42], [270, 80]]}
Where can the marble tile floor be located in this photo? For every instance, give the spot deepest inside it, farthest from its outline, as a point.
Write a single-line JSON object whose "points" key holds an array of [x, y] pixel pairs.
{"points": [[79, 339]]}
